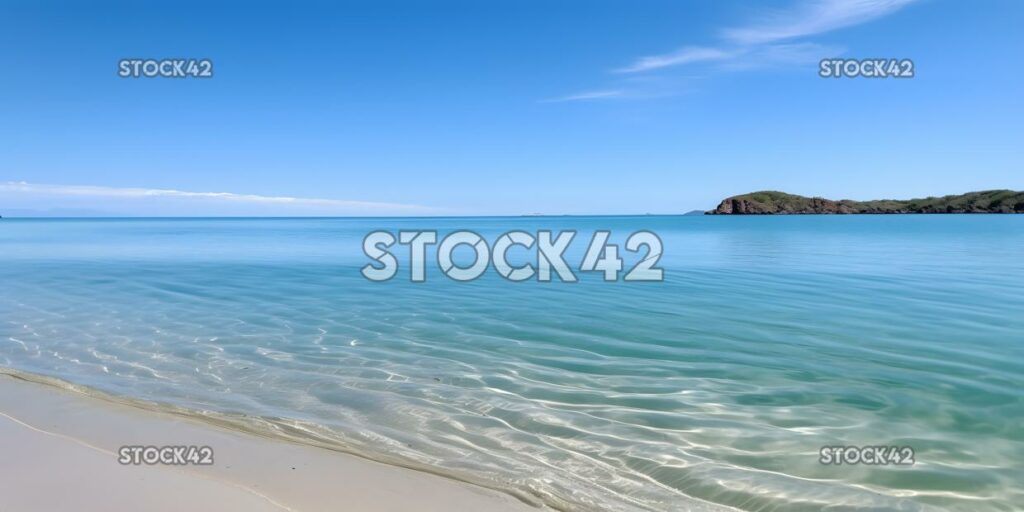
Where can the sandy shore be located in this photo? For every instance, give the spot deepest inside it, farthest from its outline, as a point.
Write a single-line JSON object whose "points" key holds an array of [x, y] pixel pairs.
{"points": [[60, 453]]}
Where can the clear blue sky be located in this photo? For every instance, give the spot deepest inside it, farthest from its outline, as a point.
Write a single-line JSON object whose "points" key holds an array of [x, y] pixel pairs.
{"points": [[502, 107]]}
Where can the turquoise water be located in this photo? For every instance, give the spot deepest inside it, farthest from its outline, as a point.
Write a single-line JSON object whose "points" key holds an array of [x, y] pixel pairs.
{"points": [[769, 338]]}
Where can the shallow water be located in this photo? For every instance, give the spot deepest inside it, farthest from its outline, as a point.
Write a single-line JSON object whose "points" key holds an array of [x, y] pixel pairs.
{"points": [[769, 338]]}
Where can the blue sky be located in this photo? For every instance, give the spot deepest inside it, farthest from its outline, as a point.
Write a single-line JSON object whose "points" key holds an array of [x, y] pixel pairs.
{"points": [[501, 107]]}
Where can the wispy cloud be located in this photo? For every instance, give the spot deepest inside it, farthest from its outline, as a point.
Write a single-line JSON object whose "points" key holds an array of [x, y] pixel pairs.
{"points": [[764, 42], [99, 192], [779, 55], [684, 55], [586, 95], [812, 17]]}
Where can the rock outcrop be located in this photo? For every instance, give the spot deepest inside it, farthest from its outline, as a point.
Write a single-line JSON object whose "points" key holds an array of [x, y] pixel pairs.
{"points": [[781, 203]]}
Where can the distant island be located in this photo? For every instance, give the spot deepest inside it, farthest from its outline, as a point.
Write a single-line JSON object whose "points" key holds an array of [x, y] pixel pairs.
{"points": [[781, 203]]}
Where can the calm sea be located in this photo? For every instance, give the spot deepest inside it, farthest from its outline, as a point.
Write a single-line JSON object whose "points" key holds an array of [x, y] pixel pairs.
{"points": [[769, 338]]}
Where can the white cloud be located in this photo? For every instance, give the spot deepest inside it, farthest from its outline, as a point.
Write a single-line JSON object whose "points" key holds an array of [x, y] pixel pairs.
{"points": [[587, 95], [812, 17], [763, 43], [682, 56], [22, 188], [783, 54]]}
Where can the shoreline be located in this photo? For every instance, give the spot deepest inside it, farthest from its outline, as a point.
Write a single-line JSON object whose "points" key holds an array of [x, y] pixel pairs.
{"points": [[61, 453]]}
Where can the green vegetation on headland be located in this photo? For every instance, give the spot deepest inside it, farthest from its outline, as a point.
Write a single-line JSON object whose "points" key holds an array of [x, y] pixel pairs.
{"points": [[781, 203]]}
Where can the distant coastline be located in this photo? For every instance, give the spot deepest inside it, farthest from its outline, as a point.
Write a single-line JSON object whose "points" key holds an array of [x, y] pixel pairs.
{"points": [[780, 203]]}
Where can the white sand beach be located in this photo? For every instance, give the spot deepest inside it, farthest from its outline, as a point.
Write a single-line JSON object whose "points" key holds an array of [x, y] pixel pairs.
{"points": [[60, 453]]}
